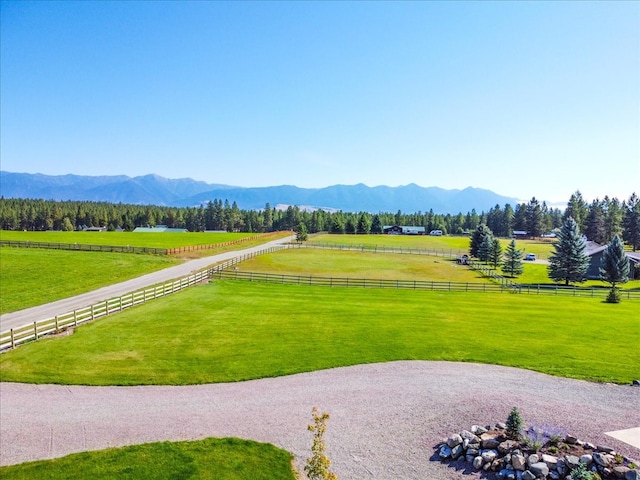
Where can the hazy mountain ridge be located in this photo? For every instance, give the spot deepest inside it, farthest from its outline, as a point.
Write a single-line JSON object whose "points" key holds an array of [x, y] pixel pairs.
{"points": [[186, 192]]}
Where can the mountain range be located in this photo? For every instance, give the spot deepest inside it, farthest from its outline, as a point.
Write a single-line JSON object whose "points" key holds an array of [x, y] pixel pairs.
{"points": [[186, 192]]}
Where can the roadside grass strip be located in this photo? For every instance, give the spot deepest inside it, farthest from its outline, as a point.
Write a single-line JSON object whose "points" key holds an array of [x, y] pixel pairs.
{"points": [[211, 458], [31, 277], [228, 331]]}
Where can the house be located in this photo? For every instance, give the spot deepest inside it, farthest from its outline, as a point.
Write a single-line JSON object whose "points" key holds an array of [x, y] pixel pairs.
{"points": [[595, 252], [402, 230], [159, 228], [520, 234]]}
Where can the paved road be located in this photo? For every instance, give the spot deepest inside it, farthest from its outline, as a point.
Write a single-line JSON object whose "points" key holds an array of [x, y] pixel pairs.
{"points": [[50, 310]]}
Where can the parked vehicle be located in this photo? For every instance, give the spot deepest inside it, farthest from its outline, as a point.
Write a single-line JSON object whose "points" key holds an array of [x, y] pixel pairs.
{"points": [[531, 257]]}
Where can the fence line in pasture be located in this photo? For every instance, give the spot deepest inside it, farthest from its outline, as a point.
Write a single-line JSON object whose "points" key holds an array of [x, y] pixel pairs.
{"points": [[61, 323], [453, 253], [356, 282], [127, 248]]}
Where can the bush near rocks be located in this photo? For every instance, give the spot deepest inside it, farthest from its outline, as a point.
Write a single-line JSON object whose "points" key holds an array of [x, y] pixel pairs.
{"points": [[551, 456]]}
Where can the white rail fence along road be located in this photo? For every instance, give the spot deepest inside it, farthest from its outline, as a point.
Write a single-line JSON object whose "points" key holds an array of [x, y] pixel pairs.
{"points": [[61, 323]]}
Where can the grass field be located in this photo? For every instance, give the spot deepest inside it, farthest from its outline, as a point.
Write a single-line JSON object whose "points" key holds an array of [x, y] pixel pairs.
{"points": [[344, 263], [34, 276], [219, 459], [453, 243], [233, 331], [123, 239]]}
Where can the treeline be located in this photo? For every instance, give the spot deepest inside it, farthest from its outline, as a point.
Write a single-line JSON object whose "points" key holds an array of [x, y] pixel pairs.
{"points": [[600, 221]]}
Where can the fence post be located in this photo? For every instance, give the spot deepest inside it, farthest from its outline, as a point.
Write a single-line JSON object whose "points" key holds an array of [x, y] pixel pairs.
{"points": [[75, 319], [13, 342], [56, 323], [35, 330]]}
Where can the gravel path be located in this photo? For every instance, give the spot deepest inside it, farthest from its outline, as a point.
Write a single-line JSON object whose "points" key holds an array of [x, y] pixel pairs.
{"points": [[385, 418]]}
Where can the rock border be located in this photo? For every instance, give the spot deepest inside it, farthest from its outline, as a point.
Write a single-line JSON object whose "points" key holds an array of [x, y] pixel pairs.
{"points": [[490, 450]]}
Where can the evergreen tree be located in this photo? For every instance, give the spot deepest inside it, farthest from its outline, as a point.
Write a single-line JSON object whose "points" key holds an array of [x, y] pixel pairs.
{"points": [[534, 218], [484, 251], [512, 263], [301, 233], [477, 238], [495, 252], [569, 262], [631, 232], [577, 209], [595, 230], [376, 224], [614, 265], [364, 223]]}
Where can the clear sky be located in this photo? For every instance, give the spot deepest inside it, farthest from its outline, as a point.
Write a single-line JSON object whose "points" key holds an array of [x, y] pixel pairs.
{"points": [[522, 98]]}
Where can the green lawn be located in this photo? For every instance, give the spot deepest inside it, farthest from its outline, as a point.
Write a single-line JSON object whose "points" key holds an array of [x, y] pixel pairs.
{"points": [[139, 239], [345, 263], [232, 331], [398, 241], [219, 459], [34, 276]]}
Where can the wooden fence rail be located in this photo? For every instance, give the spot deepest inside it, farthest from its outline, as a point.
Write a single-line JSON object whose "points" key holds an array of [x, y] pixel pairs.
{"points": [[442, 252], [130, 249], [61, 323]]}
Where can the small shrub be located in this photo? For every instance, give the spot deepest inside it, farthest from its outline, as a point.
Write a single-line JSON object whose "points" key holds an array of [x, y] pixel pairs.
{"points": [[514, 424], [581, 473], [317, 467], [614, 295]]}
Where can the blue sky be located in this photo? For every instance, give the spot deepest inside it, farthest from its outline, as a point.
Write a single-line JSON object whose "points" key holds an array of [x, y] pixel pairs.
{"points": [[522, 98]]}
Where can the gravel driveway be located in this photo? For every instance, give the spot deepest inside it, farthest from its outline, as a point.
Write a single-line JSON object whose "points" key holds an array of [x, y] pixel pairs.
{"points": [[385, 418]]}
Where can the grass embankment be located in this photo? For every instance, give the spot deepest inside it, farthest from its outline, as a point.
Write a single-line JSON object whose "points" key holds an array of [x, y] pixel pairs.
{"points": [[34, 276], [220, 459], [232, 331]]}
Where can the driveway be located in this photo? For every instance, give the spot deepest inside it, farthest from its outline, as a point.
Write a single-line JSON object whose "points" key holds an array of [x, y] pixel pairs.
{"points": [[385, 418]]}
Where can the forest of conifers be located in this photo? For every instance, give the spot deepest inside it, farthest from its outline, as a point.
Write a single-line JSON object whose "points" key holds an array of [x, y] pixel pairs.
{"points": [[599, 220]]}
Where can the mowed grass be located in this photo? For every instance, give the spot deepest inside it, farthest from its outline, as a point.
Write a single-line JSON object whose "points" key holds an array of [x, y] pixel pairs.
{"points": [[219, 459], [229, 331], [123, 239], [34, 276], [398, 241], [345, 263]]}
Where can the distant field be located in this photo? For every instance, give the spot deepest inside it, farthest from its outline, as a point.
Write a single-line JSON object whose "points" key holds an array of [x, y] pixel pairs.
{"points": [[345, 263], [447, 243], [231, 331], [211, 458], [142, 239], [34, 276]]}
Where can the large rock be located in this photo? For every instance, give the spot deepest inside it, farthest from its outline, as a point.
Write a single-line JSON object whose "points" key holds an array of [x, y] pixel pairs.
{"points": [[551, 461], [445, 452], [466, 435], [478, 430], [518, 462], [489, 441], [540, 469], [533, 458], [602, 459], [632, 475], [454, 440], [527, 475], [457, 451], [507, 446], [489, 455], [478, 462], [620, 471], [587, 459], [572, 461]]}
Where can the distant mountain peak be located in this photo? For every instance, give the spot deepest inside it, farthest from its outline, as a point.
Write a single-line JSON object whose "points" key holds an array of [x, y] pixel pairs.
{"points": [[153, 189]]}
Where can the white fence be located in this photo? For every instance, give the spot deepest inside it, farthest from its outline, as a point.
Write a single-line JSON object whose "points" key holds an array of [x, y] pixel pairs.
{"points": [[61, 323]]}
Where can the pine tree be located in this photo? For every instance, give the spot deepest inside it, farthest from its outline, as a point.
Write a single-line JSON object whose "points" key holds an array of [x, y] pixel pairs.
{"points": [[301, 233], [614, 267], [477, 237], [484, 251], [631, 221], [512, 264], [495, 252], [569, 262]]}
